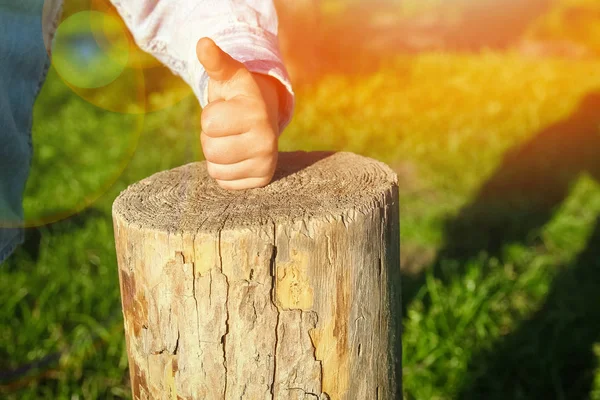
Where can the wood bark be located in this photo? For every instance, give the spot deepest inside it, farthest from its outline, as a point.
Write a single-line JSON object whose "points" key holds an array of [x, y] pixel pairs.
{"points": [[290, 291]]}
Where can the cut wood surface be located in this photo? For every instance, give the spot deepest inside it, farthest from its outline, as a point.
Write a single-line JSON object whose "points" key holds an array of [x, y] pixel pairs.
{"points": [[290, 291]]}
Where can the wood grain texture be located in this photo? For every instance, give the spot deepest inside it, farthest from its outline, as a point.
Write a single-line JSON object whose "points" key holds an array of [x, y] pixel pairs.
{"points": [[291, 291]]}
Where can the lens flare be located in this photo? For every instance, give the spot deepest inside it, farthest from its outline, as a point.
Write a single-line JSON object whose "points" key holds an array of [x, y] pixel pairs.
{"points": [[96, 146], [90, 49], [91, 54], [163, 89], [95, 54], [137, 58]]}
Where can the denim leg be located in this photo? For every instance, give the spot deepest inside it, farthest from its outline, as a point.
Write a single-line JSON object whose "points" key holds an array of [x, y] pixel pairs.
{"points": [[23, 66]]}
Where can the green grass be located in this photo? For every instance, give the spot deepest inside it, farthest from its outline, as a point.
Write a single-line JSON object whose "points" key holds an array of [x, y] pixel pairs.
{"points": [[500, 223]]}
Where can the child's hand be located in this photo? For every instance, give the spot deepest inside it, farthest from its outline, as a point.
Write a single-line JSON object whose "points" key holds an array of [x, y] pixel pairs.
{"points": [[240, 127]]}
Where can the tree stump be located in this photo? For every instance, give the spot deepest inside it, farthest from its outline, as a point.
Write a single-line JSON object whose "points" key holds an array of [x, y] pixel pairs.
{"points": [[291, 291]]}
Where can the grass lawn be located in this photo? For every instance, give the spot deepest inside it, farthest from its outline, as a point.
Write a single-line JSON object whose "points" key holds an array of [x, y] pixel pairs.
{"points": [[499, 167]]}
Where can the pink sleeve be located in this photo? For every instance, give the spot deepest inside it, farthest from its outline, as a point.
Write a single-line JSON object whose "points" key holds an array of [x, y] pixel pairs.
{"points": [[245, 29]]}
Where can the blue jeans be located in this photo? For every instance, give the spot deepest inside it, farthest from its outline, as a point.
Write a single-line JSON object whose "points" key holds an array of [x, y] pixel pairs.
{"points": [[23, 66]]}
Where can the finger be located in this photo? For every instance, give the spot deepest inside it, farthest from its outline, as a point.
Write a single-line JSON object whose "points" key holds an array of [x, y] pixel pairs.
{"points": [[236, 148], [225, 150], [219, 65], [250, 168], [232, 117], [248, 183]]}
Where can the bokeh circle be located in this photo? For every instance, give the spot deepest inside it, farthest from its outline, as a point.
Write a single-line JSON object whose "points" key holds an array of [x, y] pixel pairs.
{"points": [[90, 49]]}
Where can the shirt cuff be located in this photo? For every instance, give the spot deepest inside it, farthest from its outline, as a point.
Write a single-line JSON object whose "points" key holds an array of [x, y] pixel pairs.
{"points": [[258, 50]]}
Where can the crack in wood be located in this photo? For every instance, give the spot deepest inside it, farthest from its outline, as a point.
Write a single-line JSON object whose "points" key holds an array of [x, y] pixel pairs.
{"points": [[273, 269], [316, 396], [224, 337], [194, 296], [176, 343]]}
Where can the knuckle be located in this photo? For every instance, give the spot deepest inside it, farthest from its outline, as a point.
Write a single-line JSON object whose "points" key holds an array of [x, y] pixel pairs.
{"points": [[223, 184], [256, 113], [261, 118], [262, 182], [206, 124], [208, 120], [268, 148], [228, 185], [209, 151], [266, 168], [213, 171], [263, 169], [242, 75]]}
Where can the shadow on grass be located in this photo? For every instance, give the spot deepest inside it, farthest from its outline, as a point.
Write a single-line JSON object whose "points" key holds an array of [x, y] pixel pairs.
{"points": [[551, 354], [531, 182]]}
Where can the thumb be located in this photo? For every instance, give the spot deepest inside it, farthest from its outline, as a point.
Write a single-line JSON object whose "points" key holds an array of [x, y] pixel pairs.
{"points": [[219, 66]]}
